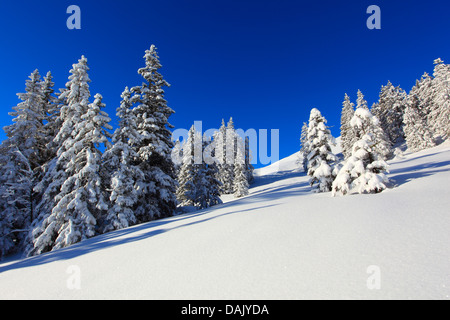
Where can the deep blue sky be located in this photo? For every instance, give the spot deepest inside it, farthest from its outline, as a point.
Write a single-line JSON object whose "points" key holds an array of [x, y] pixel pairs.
{"points": [[266, 63]]}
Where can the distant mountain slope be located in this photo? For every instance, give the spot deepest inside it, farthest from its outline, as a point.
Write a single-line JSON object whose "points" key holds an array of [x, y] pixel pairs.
{"points": [[280, 242]]}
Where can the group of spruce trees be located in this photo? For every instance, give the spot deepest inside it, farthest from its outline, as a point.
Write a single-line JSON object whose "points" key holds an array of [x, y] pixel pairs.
{"points": [[208, 168], [369, 137], [58, 188]]}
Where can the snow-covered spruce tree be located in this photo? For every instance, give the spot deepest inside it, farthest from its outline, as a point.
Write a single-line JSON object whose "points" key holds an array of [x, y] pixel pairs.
{"points": [[157, 197], [439, 116], [198, 186], [225, 142], [303, 157], [363, 123], [190, 169], [15, 200], [248, 161], [390, 110], [20, 157], [241, 184], [212, 184], [346, 133], [27, 131], [123, 175], [76, 100], [320, 157], [425, 94], [220, 153], [418, 135], [177, 156], [74, 198], [363, 172]]}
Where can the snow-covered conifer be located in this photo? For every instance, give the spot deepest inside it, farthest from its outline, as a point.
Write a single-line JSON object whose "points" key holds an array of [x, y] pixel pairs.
{"points": [[122, 172], [417, 132], [73, 199], [320, 156], [225, 153], [157, 197], [363, 172], [439, 116], [241, 184], [346, 131], [248, 161], [189, 171], [363, 123], [390, 110], [303, 156], [20, 157]]}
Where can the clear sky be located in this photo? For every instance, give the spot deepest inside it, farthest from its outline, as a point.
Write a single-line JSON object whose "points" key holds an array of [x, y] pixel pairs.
{"points": [[265, 63]]}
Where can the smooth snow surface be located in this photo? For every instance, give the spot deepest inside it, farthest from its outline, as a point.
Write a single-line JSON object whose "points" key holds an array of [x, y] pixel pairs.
{"points": [[280, 242]]}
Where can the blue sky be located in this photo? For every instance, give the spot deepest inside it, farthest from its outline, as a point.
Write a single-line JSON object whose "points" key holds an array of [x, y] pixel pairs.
{"points": [[265, 63]]}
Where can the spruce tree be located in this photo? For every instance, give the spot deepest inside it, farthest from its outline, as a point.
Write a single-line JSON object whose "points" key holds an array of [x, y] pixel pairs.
{"points": [[303, 158], [220, 153], [241, 184], [225, 152], [189, 171], [390, 110], [346, 132], [210, 167], [73, 199], [417, 132], [439, 116], [248, 161], [364, 172], [20, 159], [363, 123], [123, 175], [320, 157], [157, 197]]}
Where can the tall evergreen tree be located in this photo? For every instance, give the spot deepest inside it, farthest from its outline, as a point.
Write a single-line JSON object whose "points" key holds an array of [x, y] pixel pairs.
{"points": [[418, 135], [303, 158], [225, 152], [346, 130], [212, 184], [320, 157], [364, 123], [157, 194], [241, 184], [189, 171], [248, 161], [74, 199], [390, 111], [440, 110], [124, 175], [20, 158], [220, 152]]}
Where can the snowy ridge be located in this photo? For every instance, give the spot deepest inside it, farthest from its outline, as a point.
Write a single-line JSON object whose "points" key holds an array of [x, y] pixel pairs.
{"points": [[280, 242]]}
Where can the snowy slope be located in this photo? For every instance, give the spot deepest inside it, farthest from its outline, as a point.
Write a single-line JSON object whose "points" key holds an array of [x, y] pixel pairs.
{"points": [[281, 242]]}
